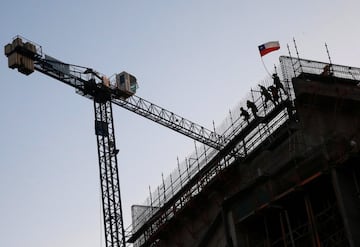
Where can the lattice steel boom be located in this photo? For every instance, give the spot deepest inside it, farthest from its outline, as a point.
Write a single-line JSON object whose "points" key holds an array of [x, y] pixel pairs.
{"points": [[27, 57]]}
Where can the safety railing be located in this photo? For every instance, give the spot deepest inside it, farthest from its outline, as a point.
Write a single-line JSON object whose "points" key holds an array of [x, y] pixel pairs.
{"points": [[293, 67]]}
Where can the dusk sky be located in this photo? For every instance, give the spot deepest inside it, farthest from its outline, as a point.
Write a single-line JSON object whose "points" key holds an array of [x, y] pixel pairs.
{"points": [[196, 58]]}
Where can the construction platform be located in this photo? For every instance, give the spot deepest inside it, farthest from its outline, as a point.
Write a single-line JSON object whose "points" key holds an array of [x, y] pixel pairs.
{"points": [[287, 177]]}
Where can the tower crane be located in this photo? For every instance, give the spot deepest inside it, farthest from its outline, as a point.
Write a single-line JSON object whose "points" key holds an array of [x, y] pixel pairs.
{"points": [[27, 56]]}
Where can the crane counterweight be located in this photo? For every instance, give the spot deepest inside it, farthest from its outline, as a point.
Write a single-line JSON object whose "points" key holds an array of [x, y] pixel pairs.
{"points": [[20, 56]]}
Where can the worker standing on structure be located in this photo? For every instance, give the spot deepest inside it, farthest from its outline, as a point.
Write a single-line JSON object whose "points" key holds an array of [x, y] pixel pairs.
{"points": [[277, 83], [244, 114], [251, 105], [274, 93], [264, 92]]}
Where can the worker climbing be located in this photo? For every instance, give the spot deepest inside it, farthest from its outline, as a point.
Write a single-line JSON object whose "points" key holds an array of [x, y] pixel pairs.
{"points": [[274, 94], [278, 85], [265, 93], [251, 105], [244, 114]]}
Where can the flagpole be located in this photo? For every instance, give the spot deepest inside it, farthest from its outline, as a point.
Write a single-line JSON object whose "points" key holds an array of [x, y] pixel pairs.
{"points": [[262, 60]]}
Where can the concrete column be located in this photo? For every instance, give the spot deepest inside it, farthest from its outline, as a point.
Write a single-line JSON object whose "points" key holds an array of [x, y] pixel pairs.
{"points": [[230, 228], [348, 202]]}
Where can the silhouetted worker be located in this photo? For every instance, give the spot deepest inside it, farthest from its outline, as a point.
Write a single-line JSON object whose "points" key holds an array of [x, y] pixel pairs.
{"points": [[275, 94], [264, 92], [279, 86], [327, 70], [251, 105], [244, 114]]}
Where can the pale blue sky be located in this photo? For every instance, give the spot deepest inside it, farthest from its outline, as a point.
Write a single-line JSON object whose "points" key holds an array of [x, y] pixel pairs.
{"points": [[197, 58]]}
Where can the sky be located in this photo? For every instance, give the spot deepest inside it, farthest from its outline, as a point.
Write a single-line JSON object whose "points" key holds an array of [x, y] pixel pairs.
{"points": [[196, 58]]}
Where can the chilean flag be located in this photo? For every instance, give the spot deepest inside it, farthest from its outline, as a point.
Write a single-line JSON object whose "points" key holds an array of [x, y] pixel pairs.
{"points": [[269, 47]]}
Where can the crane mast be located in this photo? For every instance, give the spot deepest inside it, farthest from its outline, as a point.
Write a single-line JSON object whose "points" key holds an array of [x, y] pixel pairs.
{"points": [[27, 57], [109, 174]]}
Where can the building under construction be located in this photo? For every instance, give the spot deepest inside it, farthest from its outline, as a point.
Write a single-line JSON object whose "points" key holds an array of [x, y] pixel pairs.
{"points": [[287, 175], [281, 171]]}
